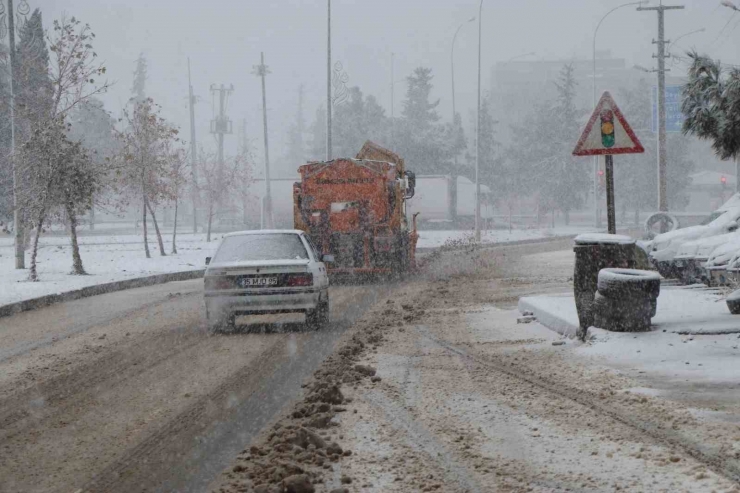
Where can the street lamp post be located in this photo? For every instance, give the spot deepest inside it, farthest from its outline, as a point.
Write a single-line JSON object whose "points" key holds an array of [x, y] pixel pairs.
{"points": [[478, 135], [328, 81], [597, 210], [453, 184]]}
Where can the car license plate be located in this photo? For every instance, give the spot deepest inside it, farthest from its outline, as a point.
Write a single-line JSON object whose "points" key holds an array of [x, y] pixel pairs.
{"points": [[250, 282]]}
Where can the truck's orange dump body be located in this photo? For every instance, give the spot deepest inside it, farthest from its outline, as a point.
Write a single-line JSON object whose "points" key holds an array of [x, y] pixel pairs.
{"points": [[355, 210]]}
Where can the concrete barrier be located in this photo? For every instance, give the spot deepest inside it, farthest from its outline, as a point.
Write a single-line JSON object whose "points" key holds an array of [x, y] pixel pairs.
{"points": [[97, 289]]}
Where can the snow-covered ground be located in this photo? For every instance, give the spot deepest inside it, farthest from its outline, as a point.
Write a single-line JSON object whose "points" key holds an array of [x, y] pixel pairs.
{"points": [[106, 259], [433, 239], [695, 340]]}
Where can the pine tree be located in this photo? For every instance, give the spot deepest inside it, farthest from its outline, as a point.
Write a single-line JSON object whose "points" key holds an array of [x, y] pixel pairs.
{"points": [[542, 147], [34, 92], [139, 87], [426, 146], [6, 172], [296, 148], [317, 150], [417, 109]]}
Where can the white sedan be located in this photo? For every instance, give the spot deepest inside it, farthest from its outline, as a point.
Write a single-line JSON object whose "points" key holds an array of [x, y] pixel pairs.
{"points": [[265, 272]]}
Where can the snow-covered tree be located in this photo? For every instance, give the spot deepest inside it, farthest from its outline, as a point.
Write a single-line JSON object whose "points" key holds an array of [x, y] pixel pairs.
{"points": [[58, 176], [711, 103], [426, 145], [542, 147], [138, 90], [317, 150]]}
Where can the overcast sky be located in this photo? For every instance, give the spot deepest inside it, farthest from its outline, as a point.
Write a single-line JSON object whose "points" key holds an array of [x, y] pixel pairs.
{"points": [[224, 38]]}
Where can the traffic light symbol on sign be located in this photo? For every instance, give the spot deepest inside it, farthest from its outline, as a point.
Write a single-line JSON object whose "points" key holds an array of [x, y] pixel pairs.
{"points": [[607, 128]]}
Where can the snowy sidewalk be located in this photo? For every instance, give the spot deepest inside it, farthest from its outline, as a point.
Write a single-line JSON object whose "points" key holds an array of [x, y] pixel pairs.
{"points": [[106, 259], [690, 355], [681, 310]]}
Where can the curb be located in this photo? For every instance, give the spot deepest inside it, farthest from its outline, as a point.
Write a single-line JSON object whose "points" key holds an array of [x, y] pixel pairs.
{"points": [[557, 322], [97, 289]]}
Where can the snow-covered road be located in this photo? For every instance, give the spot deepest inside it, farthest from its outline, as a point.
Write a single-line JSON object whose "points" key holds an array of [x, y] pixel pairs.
{"points": [[464, 398]]}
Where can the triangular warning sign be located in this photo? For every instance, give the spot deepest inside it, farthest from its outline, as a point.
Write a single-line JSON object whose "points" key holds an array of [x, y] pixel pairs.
{"points": [[607, 132]]}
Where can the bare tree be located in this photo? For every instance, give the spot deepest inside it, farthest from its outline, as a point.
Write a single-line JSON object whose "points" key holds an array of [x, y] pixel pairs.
{"points": [[178, 167], [220, 189], [145, 144]]}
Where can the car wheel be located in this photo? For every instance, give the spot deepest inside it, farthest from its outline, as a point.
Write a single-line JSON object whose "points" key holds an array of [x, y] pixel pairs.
{"points": [[317, 318], [217, 322]]}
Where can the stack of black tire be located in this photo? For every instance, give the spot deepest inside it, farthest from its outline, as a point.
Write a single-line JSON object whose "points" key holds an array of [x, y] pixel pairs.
{"points": [[626, 299]]}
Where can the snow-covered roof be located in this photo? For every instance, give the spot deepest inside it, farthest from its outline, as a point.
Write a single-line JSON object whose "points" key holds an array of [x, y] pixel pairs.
{"points": [[711, 178], [263, 232], [598, 238]]}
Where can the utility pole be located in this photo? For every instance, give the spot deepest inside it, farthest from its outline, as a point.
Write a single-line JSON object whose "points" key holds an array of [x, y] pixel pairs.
{"points": [[393, 94], [261, 71], [20, 251], [328, 81], [661, 56], [221, 125], [193, 152], [244, 151], [478, 134]]}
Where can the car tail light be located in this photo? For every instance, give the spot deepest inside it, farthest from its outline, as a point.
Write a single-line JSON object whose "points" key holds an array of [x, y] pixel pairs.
{"points": [[223, 282], [299, 280]]}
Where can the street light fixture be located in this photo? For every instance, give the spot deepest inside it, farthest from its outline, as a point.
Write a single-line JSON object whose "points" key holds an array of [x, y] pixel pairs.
{"points": [[729, 4], [597, 210]]}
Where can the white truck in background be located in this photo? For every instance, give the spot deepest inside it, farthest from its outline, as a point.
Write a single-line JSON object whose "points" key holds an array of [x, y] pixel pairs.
{"points": [[435, 196]]}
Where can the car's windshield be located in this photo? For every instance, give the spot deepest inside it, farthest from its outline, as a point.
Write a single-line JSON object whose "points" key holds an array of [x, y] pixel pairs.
{"points": [[282, 246]]}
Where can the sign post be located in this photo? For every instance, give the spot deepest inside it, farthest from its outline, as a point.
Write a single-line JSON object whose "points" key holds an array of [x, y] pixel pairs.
{"points": [[613, 136]]}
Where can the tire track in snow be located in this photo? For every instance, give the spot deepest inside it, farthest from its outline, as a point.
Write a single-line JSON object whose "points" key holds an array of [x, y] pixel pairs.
{"points": [[422, 439], [722, 465]]}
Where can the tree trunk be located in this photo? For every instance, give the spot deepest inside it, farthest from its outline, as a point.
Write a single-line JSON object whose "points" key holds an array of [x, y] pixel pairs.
{"points": [[210, 219], [637, 217], [156, 229], [552, 220], [146, 240], [174, 230], [77, 268], [567, 218], [33, 273], [92, 218]]}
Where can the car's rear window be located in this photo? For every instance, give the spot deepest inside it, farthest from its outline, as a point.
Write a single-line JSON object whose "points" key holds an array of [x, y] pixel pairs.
{"points": [[286, 246]]}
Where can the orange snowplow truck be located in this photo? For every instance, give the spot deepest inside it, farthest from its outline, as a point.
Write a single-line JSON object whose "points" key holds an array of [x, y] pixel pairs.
{"points": [[355, 211]]}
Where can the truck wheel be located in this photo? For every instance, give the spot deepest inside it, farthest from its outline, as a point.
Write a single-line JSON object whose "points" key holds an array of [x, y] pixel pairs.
{"points": [[628, 283]]}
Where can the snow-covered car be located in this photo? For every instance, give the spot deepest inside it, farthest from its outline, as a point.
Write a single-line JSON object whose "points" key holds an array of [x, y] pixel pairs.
{"points": [[723, 259], [665, 246], [691, 257], [264, 272]]}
